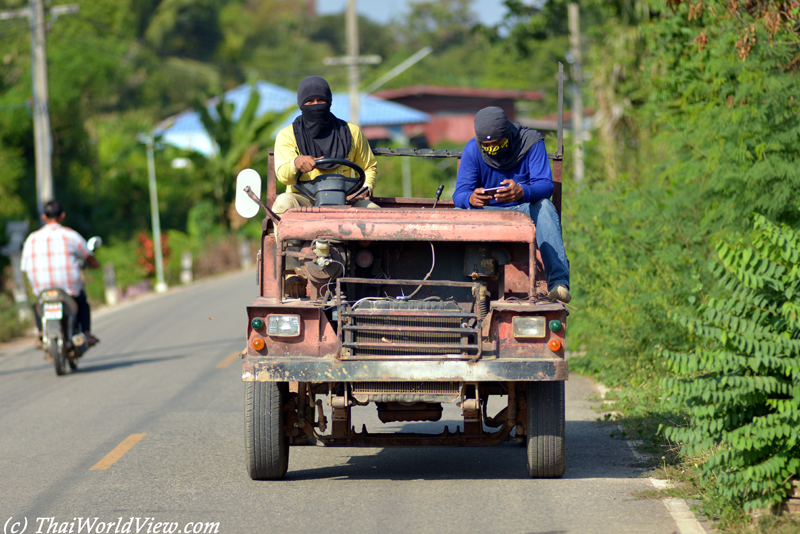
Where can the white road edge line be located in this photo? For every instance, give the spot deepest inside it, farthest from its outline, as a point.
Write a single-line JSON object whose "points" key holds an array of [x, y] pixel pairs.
{"points": [[680, 511], [683, 516]]}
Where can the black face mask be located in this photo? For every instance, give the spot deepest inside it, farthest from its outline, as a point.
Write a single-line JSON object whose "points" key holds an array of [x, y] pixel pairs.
{"points": [[501, 152], [509, 154], [316, 119], [319, 133], [495, 150]]}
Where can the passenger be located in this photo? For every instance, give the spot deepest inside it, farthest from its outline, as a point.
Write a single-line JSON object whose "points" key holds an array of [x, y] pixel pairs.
{"points": [[315, 134], [503, 154]]}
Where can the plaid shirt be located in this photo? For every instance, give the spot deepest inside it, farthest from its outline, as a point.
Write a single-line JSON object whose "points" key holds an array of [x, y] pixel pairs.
{"points": [[52, 257]]}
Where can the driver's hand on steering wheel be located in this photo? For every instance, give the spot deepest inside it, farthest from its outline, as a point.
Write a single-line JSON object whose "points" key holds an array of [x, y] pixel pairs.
{"points": [[305, 164], [366, 195]]}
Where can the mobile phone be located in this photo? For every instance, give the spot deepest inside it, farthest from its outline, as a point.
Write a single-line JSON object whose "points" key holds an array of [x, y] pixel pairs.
{"points": [[492, 190]]}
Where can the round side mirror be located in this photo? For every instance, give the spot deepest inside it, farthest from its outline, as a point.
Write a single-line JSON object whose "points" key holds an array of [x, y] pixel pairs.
{"points": [[245, 206]]}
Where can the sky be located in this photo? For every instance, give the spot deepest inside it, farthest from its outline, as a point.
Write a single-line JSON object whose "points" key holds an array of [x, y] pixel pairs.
{"points": [[489, 12]]}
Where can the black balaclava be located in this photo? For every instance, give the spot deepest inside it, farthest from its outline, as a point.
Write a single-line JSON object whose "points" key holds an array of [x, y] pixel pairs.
{"points": [[317, 131], [492, 123]]}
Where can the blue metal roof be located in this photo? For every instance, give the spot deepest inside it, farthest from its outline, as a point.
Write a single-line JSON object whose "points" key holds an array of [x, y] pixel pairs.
{"points": [[185, 130], [373, 111]]}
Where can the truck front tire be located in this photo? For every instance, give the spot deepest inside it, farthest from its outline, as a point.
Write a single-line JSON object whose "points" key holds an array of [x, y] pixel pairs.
{"points": [[545, 428], [266, 443]]}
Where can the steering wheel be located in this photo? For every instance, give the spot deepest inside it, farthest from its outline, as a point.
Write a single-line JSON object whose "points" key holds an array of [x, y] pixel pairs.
{"points": [[335, 161]]}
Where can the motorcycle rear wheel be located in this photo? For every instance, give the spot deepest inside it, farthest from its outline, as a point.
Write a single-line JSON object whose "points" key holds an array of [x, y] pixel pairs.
{"points": [[56, 351]]}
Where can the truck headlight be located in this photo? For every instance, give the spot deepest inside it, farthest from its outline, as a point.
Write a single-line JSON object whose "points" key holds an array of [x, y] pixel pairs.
{"points": [[529, 327], [283, 325]]}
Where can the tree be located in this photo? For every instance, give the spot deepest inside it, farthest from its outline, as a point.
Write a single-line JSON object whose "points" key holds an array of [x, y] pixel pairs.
{"points": [[730, 130], [240, 142], [743, 379], [372, 37], [188, 28], [613, 50], [779, 19], [439, 23], [702, 140], [270, 39]]}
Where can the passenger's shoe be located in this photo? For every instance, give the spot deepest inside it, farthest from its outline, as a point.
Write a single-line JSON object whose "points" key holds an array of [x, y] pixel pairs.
{"points": [[560, 293], [90, 339]]}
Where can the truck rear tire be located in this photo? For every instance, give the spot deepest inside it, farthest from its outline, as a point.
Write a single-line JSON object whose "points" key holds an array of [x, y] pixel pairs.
{"points": [[545, 429], [266, 443]]}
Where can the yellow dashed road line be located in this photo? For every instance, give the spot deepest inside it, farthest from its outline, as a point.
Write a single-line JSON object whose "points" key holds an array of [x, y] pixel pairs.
{"points": [[232, 357], [118, 452]]}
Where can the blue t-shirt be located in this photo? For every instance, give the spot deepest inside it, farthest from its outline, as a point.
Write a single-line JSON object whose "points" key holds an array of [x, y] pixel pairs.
{"points": [[532, 174]]}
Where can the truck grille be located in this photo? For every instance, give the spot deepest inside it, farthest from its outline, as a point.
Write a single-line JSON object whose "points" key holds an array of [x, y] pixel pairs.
{"points": [[416, 329]]}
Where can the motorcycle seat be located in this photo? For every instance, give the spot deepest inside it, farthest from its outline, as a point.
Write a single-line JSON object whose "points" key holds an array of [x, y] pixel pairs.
{"points": [[56, 294]]}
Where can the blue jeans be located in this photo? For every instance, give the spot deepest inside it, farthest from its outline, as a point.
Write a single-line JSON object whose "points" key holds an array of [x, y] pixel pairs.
{"points": [[548, 239]]}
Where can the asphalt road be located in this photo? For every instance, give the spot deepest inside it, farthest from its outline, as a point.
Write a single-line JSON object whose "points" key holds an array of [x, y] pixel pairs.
{"points": [[164, 384]]}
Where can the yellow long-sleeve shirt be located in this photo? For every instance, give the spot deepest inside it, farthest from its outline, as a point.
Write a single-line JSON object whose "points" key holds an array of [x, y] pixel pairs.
{"points": [[360, 153]]}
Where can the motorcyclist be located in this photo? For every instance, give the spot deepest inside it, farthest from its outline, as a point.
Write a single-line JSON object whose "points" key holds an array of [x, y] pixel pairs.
{"points": [[52, 257]]}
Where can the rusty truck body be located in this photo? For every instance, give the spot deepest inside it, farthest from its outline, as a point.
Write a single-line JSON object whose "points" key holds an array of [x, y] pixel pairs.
{"points": [[406, 307]]}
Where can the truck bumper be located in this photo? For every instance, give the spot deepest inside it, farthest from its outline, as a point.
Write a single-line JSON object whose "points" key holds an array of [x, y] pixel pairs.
{"points": [[331, 370]]}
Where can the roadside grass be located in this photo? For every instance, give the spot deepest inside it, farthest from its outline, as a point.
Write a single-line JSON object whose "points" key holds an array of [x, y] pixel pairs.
{"points": [[636, 411]]}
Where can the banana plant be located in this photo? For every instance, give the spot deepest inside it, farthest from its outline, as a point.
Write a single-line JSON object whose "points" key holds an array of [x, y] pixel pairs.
{"points": [[240, 142]]}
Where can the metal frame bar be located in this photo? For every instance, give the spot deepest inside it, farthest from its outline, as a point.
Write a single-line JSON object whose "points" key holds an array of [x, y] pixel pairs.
{"points": [[311, 369]]}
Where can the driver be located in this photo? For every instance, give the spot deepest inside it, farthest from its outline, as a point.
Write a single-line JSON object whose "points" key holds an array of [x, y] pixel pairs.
{"points": [[316, 134]]}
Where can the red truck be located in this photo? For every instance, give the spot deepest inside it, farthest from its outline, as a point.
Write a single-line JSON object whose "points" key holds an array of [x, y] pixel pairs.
{"points": [[409, 307]]}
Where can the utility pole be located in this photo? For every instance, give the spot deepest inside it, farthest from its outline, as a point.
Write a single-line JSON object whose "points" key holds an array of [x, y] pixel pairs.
{"points": [[158, 259], [43, 145], [352, 51], [575, 86], [352, 60]]}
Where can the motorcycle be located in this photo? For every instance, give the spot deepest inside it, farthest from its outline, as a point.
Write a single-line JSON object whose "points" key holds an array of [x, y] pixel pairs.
{"points": [[62, 333]]}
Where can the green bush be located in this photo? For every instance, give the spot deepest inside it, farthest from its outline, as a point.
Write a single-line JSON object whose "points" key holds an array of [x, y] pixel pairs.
{"points": [[201, 220], [742, 385], [634, 252], [123, 255], [178, 244], [215, 253], [10, 325]]}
